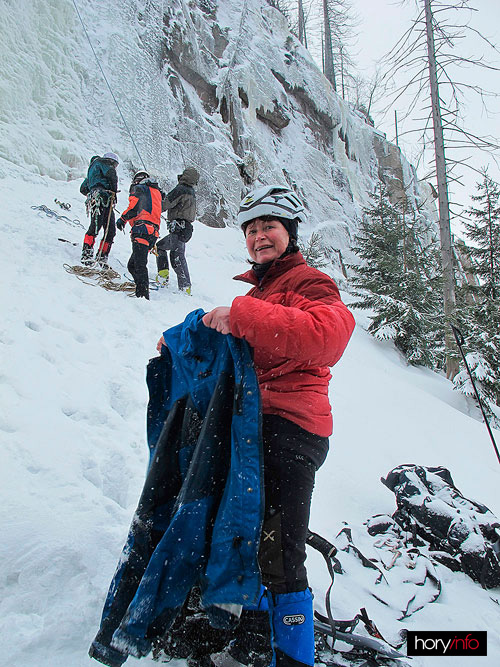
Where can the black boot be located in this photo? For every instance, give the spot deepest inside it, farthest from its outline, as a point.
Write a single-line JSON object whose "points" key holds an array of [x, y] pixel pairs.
{"points": [[87, 255], [251, 645]]}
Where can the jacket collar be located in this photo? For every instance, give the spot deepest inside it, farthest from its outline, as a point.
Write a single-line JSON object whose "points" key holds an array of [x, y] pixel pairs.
{"points": [[278, 267]]}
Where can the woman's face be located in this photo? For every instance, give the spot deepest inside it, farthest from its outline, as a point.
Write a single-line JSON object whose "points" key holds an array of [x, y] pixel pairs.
{"points": [[266, 240]]}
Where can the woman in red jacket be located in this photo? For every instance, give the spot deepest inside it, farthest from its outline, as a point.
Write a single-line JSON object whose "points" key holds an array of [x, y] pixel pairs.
{"points": [[298, 327]]}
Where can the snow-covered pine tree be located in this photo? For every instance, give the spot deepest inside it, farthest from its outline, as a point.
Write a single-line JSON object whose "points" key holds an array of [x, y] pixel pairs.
{"points": [[396, 280], [313, 251], [480, 325], [484, 233], [480, 315]]}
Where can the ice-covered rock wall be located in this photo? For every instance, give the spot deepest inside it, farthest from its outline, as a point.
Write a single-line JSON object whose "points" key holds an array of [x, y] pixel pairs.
{"points": [[220, 85]]}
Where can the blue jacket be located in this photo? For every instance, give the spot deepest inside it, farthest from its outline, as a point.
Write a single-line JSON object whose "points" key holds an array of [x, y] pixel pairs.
{"points": [[101, 174], [199, 516]]}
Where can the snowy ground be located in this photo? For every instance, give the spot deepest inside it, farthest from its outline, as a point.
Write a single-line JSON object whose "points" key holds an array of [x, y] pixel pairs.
{"points": [[73, 452]]}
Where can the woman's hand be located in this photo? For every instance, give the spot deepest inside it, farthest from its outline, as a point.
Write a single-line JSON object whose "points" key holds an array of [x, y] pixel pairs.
{"points": [[159, 344], [218, 319]]}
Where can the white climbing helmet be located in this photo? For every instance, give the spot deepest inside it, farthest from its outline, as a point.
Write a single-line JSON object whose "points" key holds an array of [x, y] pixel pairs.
{"points": [[139, 176], [111, 156], [276, 200]]}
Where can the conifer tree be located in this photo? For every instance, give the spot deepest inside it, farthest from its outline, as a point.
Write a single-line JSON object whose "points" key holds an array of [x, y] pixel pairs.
{"points": [[480, 324], [395, 283], [484, 233], [313, 252], [480, 315]]}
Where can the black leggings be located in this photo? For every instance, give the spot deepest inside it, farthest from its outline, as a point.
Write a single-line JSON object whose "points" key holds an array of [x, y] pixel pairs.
{"points": [[291, 458]]}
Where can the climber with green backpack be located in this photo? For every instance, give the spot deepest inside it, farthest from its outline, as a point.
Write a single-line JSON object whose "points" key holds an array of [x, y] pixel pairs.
{"points": [[100, 188]]}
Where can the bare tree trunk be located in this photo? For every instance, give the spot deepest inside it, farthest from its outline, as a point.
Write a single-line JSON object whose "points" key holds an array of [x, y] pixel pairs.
{"points": [[490, 237], [302, 25], [328, 68], [444, 207], [342, 72]]}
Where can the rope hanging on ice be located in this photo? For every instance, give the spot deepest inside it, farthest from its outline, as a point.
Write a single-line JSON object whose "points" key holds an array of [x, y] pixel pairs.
{"points": [[109, 87]]}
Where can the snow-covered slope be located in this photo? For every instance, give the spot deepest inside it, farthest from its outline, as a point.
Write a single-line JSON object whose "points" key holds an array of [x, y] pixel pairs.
{"points": [[73, 451], [221, 85], [73, 395]]}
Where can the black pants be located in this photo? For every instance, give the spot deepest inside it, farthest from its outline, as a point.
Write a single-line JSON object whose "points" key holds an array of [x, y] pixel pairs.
{"points": [[98, 221], [291, 458], [138, 267]]}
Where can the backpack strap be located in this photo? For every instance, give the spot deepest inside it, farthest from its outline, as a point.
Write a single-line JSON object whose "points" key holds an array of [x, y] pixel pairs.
{"points": [[328, 551]]}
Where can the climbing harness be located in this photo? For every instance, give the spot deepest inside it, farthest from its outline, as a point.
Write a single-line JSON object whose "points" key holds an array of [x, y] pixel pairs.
{"points": [[98, 199], [110, 202], [52, 214]]}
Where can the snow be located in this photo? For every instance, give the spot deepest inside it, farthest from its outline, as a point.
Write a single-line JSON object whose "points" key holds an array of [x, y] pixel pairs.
{"points": [[72, 385], [74, 454]]}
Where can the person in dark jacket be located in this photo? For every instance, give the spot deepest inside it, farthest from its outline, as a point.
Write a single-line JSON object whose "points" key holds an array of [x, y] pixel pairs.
{"points": [[181, 206], [144, 215], [100, 187], [298, 327]]}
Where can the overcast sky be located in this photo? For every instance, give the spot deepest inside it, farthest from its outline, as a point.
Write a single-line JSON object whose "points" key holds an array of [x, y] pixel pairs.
{"points": [[382, 22]]}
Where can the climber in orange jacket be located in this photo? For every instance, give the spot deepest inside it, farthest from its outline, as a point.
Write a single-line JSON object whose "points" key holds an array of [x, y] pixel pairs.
{"points": [[144, 215]]}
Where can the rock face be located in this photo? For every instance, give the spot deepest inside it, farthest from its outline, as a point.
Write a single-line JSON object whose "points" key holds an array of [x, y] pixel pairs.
{"points": [[219, 85]]}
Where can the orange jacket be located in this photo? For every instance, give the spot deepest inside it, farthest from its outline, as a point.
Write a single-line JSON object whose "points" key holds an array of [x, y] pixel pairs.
{"points": [[298, 327], [144, 206]]}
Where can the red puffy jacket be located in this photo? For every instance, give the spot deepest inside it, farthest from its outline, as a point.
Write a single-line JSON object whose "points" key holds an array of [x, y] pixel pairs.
{"points": [[298, 327]]}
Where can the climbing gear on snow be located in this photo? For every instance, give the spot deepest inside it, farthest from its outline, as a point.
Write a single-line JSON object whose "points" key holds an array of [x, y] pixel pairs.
{"points": [[52, 214], [62, 204], [274, 200], [105, 277]]}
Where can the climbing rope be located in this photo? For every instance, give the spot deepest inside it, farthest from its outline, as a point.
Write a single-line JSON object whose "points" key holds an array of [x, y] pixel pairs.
{"points": [[109, 87], [52, 214], [105, 277]]}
